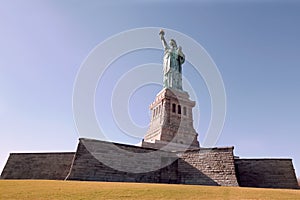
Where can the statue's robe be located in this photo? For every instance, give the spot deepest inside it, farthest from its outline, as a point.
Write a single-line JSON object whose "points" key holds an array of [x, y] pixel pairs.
{"points": [[172, 68]]}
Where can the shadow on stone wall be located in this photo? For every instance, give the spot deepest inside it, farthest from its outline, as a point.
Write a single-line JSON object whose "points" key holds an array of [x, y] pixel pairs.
{"points": [[54, 166], [266, 173]]}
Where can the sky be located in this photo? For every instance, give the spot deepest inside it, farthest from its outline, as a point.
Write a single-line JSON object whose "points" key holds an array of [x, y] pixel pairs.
{"points": [[254, 44]]}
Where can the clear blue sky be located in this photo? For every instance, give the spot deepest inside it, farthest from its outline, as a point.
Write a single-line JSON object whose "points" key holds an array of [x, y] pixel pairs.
{"points": [[255, 45]]}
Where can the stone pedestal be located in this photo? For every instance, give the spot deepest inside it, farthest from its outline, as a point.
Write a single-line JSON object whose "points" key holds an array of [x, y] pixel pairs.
{"points": [[171, 121]]}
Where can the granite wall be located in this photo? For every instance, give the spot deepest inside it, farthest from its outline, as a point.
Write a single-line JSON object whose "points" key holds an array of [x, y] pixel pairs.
{"points": [[94, 159], [266, 173], [215, 163], [87, 164], [202, 167], [53, 166]]}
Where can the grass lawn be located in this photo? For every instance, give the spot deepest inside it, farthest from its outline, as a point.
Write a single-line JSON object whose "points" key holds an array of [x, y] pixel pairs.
{"points": [[45, 189]]}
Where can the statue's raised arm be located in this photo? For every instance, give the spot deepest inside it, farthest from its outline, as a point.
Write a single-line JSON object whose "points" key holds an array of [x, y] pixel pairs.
{"points": [[163, 40]]}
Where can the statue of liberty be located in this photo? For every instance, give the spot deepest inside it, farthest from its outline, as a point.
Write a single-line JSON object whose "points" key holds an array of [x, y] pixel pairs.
{"points": [[172, 64]]}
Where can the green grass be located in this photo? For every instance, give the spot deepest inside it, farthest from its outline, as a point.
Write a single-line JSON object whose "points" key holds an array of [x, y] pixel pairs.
{"points": [[45, 189]]}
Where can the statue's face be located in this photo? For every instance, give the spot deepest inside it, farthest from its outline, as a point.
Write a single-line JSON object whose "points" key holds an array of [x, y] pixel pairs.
{"points": [[172, 43]]}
